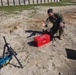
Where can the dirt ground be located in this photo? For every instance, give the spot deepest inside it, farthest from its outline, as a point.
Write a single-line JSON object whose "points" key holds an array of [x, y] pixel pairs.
{"points": [[55, 58]]}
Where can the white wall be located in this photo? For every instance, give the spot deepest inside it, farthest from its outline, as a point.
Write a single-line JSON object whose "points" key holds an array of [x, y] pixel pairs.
{"points": [[26, 1]]}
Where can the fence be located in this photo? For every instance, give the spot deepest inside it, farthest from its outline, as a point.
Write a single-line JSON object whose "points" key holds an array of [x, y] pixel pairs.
{"points": [[24, 2]]}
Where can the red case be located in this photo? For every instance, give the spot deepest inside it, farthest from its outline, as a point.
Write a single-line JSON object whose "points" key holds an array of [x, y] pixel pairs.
{"points": [[42, 39]]}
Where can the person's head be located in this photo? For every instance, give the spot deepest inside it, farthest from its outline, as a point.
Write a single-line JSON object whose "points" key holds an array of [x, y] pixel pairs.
{"points": [[50, 12]]}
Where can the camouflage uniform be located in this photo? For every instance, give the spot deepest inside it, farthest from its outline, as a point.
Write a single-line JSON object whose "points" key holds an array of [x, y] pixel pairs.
{"points": [[56, 20]]}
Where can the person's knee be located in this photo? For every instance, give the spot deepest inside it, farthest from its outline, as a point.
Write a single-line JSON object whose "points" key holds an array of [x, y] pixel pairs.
{"points": [[60, 27], [61, 30]]}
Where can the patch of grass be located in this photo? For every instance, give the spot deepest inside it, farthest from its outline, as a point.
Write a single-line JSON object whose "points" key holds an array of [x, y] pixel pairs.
{"points": [[12, 9], [52, 4], [68, 0]]}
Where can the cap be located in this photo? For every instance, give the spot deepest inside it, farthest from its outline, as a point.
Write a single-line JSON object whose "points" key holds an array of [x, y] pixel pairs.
{"points": [[50, 10]]}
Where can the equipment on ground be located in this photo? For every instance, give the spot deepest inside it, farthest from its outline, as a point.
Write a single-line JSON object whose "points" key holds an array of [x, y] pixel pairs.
{"points": [[42, 39], [8, 54]]}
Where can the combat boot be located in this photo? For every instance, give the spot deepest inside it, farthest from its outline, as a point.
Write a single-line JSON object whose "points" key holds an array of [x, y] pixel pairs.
{"points": [[60, 37]]}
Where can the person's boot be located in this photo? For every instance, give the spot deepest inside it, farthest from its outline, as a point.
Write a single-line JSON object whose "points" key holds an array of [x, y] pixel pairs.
{"points": [[60, 37]]}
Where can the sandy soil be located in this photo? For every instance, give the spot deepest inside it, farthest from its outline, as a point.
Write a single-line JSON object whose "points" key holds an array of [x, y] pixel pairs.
{"points": [[55, 58]]}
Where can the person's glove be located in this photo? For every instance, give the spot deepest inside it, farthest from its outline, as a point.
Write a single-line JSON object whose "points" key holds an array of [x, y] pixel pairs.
{"points": [[46, 25]]}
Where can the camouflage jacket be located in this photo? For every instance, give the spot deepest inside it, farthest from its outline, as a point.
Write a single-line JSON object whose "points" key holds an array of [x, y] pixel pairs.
{"points": [[56, 19]]}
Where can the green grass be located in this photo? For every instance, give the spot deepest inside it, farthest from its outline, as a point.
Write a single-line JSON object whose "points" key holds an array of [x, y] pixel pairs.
{"points": [[68, 0], [12, 9]]}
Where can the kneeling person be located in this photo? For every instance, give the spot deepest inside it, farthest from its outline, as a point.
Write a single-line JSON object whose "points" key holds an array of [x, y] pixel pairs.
{"points": [[58, 23]]}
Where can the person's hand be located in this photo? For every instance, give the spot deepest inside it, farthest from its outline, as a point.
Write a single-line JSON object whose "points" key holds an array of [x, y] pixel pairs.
{"points": [[43, 24], [61, 24]]}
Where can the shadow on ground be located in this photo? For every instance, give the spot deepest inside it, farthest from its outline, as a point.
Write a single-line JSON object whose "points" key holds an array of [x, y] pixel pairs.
{"points": [[15, 65], [33, 33], [31, 43]]}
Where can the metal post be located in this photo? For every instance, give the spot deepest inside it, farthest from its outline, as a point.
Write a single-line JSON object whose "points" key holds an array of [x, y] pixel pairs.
{"points": [[41, 1], [44, 1], [51, 0], [19, 2], [37, 1], [54, 0], [33, 1], [1, 2], [48, 1], [14, 2], [24, 2], [8, 2], [29, 1]]}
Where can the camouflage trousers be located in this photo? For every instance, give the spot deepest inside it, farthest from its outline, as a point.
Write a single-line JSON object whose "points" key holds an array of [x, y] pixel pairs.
{"points": [[54, 30]]}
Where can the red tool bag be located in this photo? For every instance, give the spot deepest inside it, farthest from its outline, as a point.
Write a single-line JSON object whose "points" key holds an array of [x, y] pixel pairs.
{"points": [[42, 39]]}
